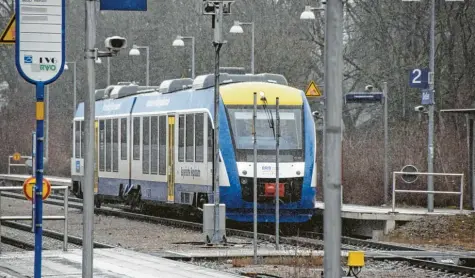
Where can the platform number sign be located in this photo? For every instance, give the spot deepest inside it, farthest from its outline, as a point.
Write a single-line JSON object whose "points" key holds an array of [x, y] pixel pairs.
{"points": [[419, 78]]}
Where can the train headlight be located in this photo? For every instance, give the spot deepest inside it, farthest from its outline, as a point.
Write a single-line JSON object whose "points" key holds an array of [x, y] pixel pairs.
{"points": [[298, 173], [243, 181], [244, 172]]}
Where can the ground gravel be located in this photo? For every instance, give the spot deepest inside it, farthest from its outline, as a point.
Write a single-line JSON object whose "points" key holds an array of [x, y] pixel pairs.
{"points": [[372, 269], [116, 231], [150, 238]]}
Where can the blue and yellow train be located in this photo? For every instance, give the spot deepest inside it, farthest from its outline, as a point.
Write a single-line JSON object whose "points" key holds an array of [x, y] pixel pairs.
{"points": [[155, 145]]}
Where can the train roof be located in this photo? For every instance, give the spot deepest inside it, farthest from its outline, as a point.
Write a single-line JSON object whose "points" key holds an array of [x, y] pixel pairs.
{"points": [[171, 95]]}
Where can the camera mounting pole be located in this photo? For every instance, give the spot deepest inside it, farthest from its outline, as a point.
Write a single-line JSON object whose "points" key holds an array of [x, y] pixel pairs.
{"points": [[217, 10]]}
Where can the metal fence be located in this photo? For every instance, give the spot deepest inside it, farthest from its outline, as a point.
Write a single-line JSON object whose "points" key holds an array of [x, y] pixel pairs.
{"points": [[10, 164], [45, 217], [427, 191]]}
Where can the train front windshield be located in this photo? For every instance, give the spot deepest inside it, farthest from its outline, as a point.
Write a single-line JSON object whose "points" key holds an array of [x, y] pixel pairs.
{"points": [[291, 138]]}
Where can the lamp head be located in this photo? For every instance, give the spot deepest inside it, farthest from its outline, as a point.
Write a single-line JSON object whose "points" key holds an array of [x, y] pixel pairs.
{"points": [[307, 14], [236, 29], [178, 42]]}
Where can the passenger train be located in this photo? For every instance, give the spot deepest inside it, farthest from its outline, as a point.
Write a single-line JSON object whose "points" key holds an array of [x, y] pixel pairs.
{"points": [[154, 145]]}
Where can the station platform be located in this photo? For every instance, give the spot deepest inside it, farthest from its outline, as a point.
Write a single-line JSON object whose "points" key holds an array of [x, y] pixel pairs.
{"points": [[367, 219], [110, 263], [53, 180]]}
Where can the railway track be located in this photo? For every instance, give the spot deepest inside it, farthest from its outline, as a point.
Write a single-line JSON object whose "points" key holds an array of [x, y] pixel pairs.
{"points": [[309, 240]]}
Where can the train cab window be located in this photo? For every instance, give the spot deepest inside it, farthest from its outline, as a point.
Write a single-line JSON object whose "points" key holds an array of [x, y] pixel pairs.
{"points": [[181, 138], [101, 146], [210, 140], [115, 145], [123, 139], [199, 149], [146, 146], [108, 146], [136, 150], [162, 150], [190, 137], [154, 145], [77, 139]]}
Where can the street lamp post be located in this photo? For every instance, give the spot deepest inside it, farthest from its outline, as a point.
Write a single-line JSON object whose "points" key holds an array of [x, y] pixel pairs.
{"points": [[75, 89], [178, 42], [136, 52], [237, 29]]}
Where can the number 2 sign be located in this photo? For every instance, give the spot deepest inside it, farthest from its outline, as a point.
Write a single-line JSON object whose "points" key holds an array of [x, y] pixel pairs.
{"points": [[419, 78]]}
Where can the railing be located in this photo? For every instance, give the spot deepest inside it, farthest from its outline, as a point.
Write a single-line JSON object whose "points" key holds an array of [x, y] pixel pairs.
{"points": [[427, 191], [10, 164], [45, 217]]}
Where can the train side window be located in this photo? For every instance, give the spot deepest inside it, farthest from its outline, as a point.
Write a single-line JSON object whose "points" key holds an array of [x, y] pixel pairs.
{"points": [[210, 140], [146, 146], [199, 125], [77, 139], [162, 151], [123, 139], [115, 145], [154, 145], [136, 127], [181, 138], [108, 145], [101, 146], [82, 139], [190, 137]]}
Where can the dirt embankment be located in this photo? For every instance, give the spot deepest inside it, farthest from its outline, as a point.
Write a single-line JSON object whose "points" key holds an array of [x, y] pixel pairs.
{"points": [[454, 232]]}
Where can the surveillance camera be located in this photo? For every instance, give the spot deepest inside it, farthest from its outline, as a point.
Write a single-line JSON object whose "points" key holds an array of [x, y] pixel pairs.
{"points": [[316, 114], [115, 43], [419, 108], [368, 88]]}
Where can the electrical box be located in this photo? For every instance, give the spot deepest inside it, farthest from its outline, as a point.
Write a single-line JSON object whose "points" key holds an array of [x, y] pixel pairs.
{"points": [[355, 258], [208, 223]]}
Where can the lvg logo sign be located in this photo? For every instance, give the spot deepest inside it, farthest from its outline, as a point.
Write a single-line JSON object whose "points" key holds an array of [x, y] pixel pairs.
{"points": [[47, 64]]}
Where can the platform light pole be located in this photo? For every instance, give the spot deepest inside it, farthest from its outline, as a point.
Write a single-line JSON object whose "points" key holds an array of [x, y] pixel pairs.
{"points": [[308, 14], [333, 147], [430, 155], [237, 29], [178, 42], [430, 139], [136, 52]]}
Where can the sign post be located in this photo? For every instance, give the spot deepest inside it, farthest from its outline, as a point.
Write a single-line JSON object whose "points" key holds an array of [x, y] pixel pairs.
{"points": [[39, 58], [377, 97]]}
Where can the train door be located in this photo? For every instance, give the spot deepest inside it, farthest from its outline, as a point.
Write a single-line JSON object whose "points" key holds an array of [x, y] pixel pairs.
{"points": [[171, 159]]}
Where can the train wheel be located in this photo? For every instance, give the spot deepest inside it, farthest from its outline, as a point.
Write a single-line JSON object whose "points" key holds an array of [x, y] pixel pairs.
{"points": [[97, 202], [134, 199]]}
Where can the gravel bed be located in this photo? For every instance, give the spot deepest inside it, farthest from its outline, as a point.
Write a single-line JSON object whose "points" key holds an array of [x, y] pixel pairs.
{"points": [[372, 269], [134, 235]]}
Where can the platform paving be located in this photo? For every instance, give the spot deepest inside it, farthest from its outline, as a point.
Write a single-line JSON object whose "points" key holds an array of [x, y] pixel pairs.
{"points": [[385, 213], [108, 263]]}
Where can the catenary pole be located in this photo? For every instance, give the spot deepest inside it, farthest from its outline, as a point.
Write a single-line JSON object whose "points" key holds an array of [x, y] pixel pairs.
{"points": [[333, 147], [89, 112]]}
